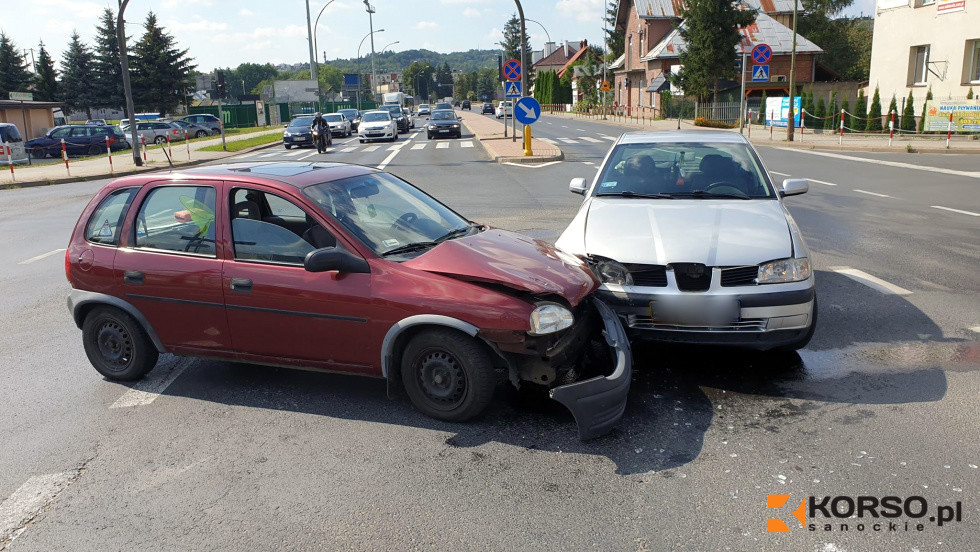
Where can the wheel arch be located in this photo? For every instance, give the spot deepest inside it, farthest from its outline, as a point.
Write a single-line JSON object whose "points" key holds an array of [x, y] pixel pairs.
{"points": [[80, 303]]}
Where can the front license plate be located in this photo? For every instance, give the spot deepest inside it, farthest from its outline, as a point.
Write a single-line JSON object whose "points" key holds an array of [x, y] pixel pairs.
{"points": [[696, 310], [443, 130]]}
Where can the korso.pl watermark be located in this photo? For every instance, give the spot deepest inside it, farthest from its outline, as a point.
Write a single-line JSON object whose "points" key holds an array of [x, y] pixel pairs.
{"points": [[886, 514]]}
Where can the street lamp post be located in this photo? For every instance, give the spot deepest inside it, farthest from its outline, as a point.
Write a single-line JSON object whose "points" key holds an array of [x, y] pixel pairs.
{"points": [[383, 51], [315, 51], [791, 120], [546, 33], [309, 40], [359, 65], [127, 87], [520, 11], [374, 76]]}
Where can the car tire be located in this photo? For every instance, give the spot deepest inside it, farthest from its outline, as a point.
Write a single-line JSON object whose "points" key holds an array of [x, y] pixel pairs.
{"points": [[159, 140], [116, 345], [38, 153], [804, 340], [428, 136], [201, 134], [94, 150], [447, 375], [216, 132], [361, 141], [287, 146]]}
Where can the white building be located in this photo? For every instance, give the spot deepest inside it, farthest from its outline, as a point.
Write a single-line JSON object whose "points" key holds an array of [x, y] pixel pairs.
{"points": [[923, 44]]}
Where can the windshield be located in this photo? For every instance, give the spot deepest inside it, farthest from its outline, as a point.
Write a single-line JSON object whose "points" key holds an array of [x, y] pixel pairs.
{"points": [[443, 115], [349, 113], [393, 109], [301, 122], [384, 212], [375, 116], [334, 118], [684, 170]]}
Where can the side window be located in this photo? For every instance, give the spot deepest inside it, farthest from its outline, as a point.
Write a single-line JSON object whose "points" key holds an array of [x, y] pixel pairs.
{"points": [[273, 239], [61, 133], [178, 218], [81, 131], [280, 207], [104, 224]]}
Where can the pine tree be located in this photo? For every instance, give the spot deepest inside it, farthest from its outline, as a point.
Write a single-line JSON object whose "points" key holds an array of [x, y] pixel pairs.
{"points": [[874, 113], [820, 112], [511, 45], [46, 79], [710, 30], [161, 72], [107, 87], [846, 106], [615, 38], [908, 114], [925, 106], [892, 108], [76, 76], [832, 112], [806, 103], [14, 76], [860, 110], [762, 109], [969, 94]]}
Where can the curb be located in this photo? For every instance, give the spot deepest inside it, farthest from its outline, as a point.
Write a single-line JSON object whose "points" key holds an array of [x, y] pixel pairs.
{"points": [[492, 154], [177, 166]]}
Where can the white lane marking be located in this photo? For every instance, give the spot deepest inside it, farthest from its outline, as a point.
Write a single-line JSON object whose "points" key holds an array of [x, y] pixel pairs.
{"points": [[825, 183], [395, 151], [29, 500], [348, 141], [972, 214], [588, 162], [548, 140], [442, 145], [975, 329], [527, 166], [563, 126], [870, 193], [419, 146], [466, 144], [887, 163], [149, 388], [589, 139], [293, 153], [265, 155], [375, 148], [779, 173], [348, 149], [396, 147], [42, 256], [870, 281], [613, 138], [581, 130], [311, 154], [568, 140]]}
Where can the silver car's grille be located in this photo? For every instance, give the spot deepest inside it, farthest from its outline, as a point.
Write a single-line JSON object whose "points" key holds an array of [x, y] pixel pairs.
{"points": [[648, 275], [641, 322], [739, 275]]}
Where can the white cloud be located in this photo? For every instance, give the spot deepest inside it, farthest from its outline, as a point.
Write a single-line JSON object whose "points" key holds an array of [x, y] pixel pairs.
{"points": [[196, 26], [471, 12], [84, 10], [246, 12], [583, 10], [425, 25]]}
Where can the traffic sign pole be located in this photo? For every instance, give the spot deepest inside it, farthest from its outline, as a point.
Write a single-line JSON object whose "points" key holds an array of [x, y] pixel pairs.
{"points": [[741, 101]]}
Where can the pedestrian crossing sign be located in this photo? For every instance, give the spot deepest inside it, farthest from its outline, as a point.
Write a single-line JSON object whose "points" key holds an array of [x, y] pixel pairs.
{"points": [[513, 89], [760, 73]]}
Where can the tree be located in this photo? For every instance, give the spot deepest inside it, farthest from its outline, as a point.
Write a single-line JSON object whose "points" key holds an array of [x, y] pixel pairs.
{"points": [[874, 113], [819, 113], [615, 38], [46, 78], [806, 103], [908, 114], [892, 108], [76, 77], [418, 76], [107, 87], [846, 42], [860, 111], [762, 109], [925, 106], [512, 46], [160, 71], [969, 94], [444, 80], [14, 76], [710, 31], [832, 111]]}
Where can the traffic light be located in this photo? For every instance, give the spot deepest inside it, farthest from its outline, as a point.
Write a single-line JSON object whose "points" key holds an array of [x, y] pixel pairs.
{"points": [[219, 87], [737, 66]]}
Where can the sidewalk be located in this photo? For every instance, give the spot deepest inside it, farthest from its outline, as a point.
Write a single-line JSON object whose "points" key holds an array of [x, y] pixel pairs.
{"points": [[825, 140], [490, 133], [122, 162]]}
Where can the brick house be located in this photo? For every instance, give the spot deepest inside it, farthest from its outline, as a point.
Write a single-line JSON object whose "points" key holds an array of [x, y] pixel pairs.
{"points": [[558, 58], [652, 46]]}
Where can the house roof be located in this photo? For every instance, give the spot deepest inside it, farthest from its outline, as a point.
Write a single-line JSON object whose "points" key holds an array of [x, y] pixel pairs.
{"points": [[558, 57], [671, 9], [773, 6], [765, 30], [28, 104], [618, 62], [575, 57]]}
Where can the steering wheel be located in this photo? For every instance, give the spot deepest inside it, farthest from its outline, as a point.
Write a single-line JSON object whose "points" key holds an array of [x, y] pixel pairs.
{"points": [[405, 221], [724, 187]]}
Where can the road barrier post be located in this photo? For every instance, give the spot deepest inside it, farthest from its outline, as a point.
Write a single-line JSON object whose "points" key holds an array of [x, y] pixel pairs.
{"points": [[891, 127], [188, 144], [749, 121], [527, 140], [143, 142], [770, 124], [949, 129], [802, 123], [840, 139], [64, 155], [170, 150], [108, 150], [10, 161]]}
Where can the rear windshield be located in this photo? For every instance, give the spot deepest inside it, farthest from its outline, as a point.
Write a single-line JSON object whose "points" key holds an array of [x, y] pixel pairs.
{"points": [[334, 117], [375, 116], [9, 133], [301, 122], [349, 113]]}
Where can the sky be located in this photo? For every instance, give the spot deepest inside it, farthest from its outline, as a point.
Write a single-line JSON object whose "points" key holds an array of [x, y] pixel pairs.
{"points": [[225, 33]]}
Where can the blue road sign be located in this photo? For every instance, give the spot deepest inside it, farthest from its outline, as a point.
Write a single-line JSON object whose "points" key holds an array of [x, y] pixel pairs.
{"points": [[527, 110], [513, 89], [760, 73], [761, 54], [512, 70]]}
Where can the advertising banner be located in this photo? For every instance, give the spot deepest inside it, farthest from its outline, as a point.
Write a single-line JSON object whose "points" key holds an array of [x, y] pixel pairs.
{"points": [[950, 6], [966, 115], [777, 111]]}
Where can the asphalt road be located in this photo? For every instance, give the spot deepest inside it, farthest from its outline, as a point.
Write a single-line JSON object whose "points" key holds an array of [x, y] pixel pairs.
{"points": [[232, 457]]}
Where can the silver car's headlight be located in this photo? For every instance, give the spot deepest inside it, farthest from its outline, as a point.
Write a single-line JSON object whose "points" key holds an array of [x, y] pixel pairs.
{"points": [[784, 270], [286, 134], [549, 318], [611, 272]]}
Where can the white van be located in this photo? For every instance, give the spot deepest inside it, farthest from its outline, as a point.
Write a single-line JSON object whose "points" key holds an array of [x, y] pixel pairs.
{"points": [[10, 137]]}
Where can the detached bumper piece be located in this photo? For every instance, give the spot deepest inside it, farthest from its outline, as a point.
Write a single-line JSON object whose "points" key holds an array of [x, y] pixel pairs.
{"points": [[599, 403]]}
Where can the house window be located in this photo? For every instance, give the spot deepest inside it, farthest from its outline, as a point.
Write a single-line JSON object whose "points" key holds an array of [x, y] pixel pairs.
{"points": [[919, 60], [973, 60]]}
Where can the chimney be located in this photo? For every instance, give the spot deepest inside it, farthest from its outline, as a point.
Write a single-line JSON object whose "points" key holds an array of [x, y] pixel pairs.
{"points": [[566, 50], [549, 48]]}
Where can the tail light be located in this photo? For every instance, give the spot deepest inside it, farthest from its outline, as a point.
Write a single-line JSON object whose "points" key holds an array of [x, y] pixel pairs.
{"points": [[175, 131], [68, 267]]}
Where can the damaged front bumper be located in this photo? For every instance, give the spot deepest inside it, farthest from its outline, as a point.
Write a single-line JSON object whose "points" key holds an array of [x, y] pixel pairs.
{"points": [[598, 403]]}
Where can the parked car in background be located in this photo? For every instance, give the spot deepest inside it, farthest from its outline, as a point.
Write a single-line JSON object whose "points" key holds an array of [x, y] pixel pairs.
{"points": [[410, 115], [505, 109], [10, 135], [398, 115], [377, 125], [340, 268], [692, 242], [466, 105], [339, 125], [443, 122], [487, 108], [95, 122], [206, 120], [424, 109], [79, 140], [157, 132], [353, 115], [193, 130], [442, 105], [298, 132]]}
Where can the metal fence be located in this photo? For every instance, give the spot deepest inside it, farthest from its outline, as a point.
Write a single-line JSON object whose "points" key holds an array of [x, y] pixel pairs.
{"points": [[726, 112]]}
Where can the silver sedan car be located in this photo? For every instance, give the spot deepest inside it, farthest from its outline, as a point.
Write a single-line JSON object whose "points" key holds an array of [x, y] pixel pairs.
{"points": [[692, 242]]}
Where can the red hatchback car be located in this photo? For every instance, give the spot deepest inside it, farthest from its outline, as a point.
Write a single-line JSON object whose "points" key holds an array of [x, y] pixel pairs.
{"points": [[340, 268]]}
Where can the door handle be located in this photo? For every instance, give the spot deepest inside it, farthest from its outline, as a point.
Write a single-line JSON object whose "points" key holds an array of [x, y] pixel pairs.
{"points": [[243, 285], [134, 277]]}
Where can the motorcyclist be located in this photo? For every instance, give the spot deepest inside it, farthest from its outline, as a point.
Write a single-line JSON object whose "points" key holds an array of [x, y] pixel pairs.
{"points": [[321, 127]]}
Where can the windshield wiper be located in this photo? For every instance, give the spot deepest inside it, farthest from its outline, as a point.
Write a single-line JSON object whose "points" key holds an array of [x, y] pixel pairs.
{"points": [[408, 247], [634, 194], [455, 233], [701, 194]]}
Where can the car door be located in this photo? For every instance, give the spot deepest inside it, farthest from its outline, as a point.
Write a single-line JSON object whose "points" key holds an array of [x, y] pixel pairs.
{"points": [[169, 267], [51, 144], [277, 311], [80, 140]]}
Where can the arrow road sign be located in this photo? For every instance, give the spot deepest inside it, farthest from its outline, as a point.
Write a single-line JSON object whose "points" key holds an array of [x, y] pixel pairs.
{"points": [[512, 70], [760, 73], [527, 110], [761, 54], [513, 89]]}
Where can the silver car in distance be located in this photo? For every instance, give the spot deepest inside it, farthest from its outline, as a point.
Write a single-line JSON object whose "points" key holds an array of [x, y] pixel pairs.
{"points": [[692, 242]]}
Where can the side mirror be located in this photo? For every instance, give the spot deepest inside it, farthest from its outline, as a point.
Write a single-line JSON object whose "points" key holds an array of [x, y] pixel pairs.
{"points": [[794, 186], [335, 258], [285, 125], [577, 186]]}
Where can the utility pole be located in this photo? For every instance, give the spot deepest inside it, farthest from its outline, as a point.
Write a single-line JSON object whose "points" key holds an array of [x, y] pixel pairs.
{"points": [[374, 74], [605, 61], [127, 86], [790, 122], [741, 101], [520, 11], [309, 39]]}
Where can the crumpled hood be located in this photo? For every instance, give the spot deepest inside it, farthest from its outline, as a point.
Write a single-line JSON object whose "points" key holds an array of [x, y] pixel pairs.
{"points": [[512, 260], [713, 232]]}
